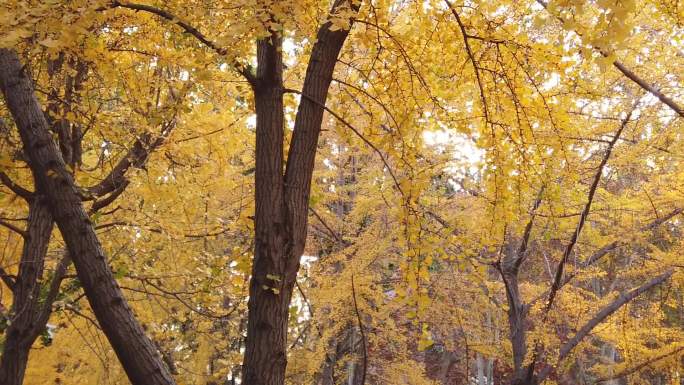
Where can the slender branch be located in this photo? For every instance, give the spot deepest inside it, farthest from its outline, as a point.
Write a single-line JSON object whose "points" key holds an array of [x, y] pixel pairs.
{"points": [[603, 251], [13, 228], [136, 157], [8, 279], [363, 333], [164, 14], [528, 230], [53, 292], [585, 213], [611, 308], [472, 58], [330, 230], [357, 132], [18, 190], [636, 368], [109, 199], [632, 76]]}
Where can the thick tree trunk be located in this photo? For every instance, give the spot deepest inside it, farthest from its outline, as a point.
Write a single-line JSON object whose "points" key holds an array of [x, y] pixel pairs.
{"points": [[282, 201], [26, 313], [14, 359], [265, 350], [137, 354]]}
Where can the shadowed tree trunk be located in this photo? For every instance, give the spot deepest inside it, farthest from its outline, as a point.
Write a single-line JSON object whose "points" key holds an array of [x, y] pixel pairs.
{"points": [[27, 317], [137, 354], [282, 200]]}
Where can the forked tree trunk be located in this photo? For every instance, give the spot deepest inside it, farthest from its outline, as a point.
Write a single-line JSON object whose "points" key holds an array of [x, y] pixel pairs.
{"points": [[137, 354], [282, 201]]}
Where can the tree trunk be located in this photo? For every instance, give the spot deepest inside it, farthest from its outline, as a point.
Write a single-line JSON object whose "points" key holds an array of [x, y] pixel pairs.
{"points": [[14, 358], [282, 201], [137, 354], [26, 315]]}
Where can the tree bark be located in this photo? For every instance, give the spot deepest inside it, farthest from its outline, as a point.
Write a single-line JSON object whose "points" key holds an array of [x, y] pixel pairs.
{"points": [[137, 354], [25, 315], [282, 201]]}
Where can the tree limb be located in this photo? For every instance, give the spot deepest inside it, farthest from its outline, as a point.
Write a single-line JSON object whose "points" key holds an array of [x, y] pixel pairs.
{"points": [[611, 308], [528, 231], [363, 334], [472, 58], [640, 366], [18, 190], [357, 132], [585, 213], [136, 157], [243, 70], [53, 292], [8, 279], [603, 251], [632, 76], [13, 228]]}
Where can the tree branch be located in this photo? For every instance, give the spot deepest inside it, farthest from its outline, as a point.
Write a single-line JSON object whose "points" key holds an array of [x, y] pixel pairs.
{"points": [[18, 190], [632, 76], [136, 157], [60, 273], [363, 334], [603, 251], [357, 132], [585, 213], [635, 369], [13, 228], [472, 58], [528, 231], [243, 70], [330, 230], [611, 308], [8, 279]]}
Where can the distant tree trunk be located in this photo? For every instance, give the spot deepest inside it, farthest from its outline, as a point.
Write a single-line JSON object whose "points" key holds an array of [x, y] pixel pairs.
{"points": [[27, 317], [480, 367], [137, 354], [282, 201]]}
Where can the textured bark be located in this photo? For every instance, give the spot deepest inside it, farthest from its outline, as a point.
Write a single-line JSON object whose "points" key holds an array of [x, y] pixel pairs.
{"points": [[282, 200], [137, 354], [26, 315], [517, 315]]}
